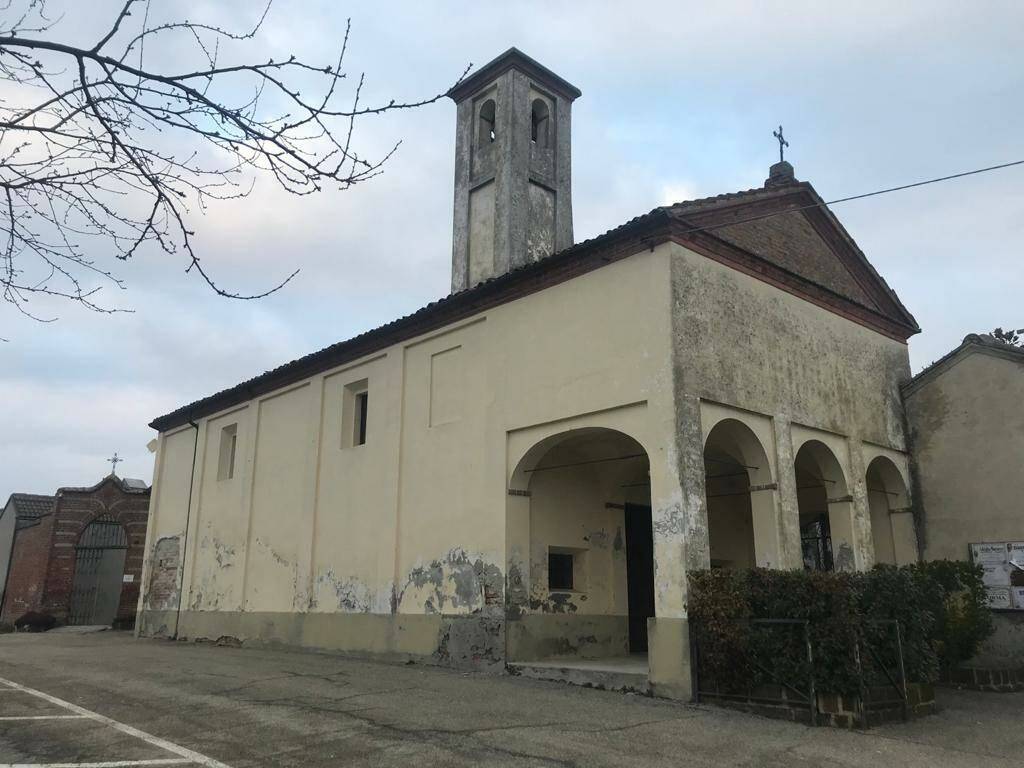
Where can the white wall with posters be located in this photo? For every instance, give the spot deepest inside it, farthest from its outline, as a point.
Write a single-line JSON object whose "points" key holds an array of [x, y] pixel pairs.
{"points": [[1003, 563]]}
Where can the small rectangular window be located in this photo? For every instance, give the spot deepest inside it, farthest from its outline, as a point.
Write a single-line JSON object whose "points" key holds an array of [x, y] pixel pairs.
{"points": [[226, 459], [560, 570], [361, 403], [355, 413]]}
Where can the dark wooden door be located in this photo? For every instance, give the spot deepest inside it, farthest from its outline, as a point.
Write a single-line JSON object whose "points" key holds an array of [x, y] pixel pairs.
{"points": [[639, 574]]}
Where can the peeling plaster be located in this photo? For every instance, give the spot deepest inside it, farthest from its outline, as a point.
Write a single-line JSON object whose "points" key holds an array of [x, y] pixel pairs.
{"points": [[557, 602], [456, 584], [350, 595], [163, 592]]}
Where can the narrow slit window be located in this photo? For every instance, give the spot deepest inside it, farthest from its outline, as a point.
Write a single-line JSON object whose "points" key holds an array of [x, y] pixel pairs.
{"points": [[560, 571], [226, 458], [359, 418]]}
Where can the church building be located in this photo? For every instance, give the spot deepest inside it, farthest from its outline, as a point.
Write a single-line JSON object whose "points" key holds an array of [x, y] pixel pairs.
{"points": [[522, 474]]}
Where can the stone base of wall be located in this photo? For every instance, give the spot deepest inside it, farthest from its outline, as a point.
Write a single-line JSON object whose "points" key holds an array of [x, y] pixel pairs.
{"points": [[547, 635], [883, 705], [998, 680], [476, 641]]}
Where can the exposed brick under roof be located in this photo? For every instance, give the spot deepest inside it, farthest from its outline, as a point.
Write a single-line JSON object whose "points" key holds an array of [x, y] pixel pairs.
{"points": [[780, 238]]}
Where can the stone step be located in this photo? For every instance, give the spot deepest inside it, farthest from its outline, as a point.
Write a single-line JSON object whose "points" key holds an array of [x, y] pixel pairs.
{"points": [[607, 677]]}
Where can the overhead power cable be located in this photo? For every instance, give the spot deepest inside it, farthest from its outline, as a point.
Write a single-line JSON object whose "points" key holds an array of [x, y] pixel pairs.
{"points": [[877, 192]]}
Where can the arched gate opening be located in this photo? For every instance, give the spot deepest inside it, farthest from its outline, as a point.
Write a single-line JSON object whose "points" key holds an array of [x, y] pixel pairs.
{"points": [[99, 572]]}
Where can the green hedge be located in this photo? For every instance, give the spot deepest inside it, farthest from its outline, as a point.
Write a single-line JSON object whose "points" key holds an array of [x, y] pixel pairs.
{"points": [[962, 616], [940, 608]]}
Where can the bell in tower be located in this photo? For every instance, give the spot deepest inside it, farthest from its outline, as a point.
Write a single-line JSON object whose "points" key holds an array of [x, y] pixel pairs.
{"points": [[513, 183]]}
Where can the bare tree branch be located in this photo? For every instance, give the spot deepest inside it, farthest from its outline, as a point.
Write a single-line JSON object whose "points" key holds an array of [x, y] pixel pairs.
{"points": [[103, 155]]}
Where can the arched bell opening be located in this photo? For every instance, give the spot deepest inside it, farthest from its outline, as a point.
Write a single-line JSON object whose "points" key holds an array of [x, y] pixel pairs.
{"points": [[540, 124], [486, 133]]}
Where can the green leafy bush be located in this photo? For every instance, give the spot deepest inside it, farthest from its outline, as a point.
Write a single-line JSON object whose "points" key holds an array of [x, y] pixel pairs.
{"points": [[958, 602], [939, 606]]}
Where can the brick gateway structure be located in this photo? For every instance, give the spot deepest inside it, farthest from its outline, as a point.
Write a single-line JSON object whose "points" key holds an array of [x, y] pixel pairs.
{"points": [[81, 562]]}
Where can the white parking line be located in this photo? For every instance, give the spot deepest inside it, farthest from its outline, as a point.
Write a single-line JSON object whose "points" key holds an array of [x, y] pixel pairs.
{"points": [[43, 717], [186, 755], [108, 764]]}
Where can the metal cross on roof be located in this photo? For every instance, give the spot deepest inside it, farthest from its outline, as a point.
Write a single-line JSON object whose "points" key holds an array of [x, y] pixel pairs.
{"points": [[114, 461], [782, 142]]}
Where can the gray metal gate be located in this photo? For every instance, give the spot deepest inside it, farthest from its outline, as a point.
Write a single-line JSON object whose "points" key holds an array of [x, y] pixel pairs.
{"points": [[99, 571]]}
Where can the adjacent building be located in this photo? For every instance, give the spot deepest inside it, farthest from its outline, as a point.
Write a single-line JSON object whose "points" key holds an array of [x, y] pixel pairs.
{"points": [[23, 510], [77, 555], [528, 468], [966, 418]]}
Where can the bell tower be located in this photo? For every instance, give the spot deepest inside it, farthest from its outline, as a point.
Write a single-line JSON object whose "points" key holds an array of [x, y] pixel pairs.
{"points": [[513, 182]]}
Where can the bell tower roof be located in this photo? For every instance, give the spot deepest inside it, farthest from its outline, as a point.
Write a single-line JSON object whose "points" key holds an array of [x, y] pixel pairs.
{"points": [[513, 58]]}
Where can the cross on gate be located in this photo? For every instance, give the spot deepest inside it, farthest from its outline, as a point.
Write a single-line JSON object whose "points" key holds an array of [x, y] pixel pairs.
{"points": [[782, 142], [114, 461]]}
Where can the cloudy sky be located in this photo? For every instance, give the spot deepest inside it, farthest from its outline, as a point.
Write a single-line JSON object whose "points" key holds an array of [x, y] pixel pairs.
{"points": [[679, 100]]}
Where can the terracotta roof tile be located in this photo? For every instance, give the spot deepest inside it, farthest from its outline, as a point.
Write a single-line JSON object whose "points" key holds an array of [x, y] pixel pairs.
{"points": [[777, 243]]}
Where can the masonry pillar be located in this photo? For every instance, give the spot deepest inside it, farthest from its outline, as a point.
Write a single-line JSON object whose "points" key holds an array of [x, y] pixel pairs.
{"points": [[790, 552], [680, 528], [863, 542]]}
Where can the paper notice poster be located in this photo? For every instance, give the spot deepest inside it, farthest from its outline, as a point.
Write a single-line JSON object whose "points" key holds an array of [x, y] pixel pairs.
{"points": [[992, 552], [1015, 557], [1002, 565], [995, 575], [999, 597]]}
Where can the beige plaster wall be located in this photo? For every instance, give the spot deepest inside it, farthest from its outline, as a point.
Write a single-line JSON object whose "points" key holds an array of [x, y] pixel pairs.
{"points": [[967, 426], [414, 521], [568, 510]]}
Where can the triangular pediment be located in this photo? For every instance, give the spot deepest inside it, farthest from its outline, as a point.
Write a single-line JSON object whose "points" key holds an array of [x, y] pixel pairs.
{"points": [[790, 229]]}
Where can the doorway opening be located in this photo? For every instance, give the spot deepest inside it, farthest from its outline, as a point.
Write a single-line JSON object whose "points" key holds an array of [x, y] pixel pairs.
{"points": [[639, 573], [99, 572], [581, 552]]}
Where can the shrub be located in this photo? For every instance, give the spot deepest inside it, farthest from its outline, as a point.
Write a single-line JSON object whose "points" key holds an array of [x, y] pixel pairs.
{"points": [[940, 608], [958, 602], [35, 622]]}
